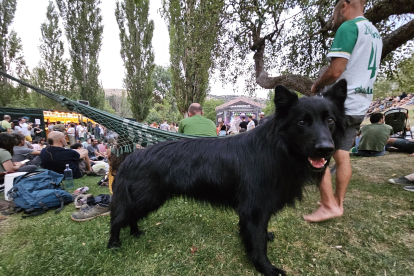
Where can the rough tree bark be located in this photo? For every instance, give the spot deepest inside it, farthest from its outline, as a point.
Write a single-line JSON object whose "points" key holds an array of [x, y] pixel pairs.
{"points": [[381, 11]]}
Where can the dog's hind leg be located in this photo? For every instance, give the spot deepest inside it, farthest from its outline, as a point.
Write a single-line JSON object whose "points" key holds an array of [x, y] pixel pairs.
{"points": [[116, 224], [133, 227], [253, 230]]}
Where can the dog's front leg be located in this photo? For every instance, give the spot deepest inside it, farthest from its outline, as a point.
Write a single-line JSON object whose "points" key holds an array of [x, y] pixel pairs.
{"points": [[253, 230]]}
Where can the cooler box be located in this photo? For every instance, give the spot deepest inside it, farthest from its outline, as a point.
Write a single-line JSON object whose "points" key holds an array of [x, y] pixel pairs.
{"points": [[8, 182]]}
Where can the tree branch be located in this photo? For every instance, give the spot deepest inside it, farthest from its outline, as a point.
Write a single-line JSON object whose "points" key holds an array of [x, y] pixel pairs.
{"points": [[298, 83], [397, 38], [384, 9]]}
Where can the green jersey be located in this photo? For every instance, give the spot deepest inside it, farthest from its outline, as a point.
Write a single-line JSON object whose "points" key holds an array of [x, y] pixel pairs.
{"points": [[197, 125], [360, 42]]}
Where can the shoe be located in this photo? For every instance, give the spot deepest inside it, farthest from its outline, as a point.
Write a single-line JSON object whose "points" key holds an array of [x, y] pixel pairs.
{"points": [[90, 212], [409, 188], [81, 190], [81, 200], [401, 181]]}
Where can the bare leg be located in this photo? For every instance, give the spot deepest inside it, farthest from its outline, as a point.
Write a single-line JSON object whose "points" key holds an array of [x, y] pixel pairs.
{"points": [[332, 206]]}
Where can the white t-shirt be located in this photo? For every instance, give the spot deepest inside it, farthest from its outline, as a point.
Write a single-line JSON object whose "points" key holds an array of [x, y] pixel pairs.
{"points": [[360, 42], [250, 125], [81, 131], [24, 130], [71, 131]]}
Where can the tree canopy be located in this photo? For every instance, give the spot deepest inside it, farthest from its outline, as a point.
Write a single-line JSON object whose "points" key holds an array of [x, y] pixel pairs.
{"points": [[291, 38]]}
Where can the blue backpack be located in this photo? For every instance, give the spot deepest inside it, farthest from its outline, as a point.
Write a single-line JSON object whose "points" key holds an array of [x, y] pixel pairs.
{"points": [[36, 192]]}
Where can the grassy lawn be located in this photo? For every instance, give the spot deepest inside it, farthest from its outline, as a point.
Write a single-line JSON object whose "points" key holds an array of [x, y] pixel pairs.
{"points": [[374, 237]]}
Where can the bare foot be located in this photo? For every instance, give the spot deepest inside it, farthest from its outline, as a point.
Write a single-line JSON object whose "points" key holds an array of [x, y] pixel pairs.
{"points": [[324, 213]]}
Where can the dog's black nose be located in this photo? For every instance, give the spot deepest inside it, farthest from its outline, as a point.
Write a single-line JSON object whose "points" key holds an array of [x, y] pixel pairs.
{"points": [[324, 149]]}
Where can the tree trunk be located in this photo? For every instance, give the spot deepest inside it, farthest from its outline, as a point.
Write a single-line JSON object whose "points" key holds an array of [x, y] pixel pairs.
{"points": [[397, 38]]}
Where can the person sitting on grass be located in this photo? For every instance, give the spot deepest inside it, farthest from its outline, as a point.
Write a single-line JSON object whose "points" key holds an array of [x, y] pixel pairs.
{"points": [[93, 151], [55, 156], [404, 180], [374, 137], [401, 145], [7, 143], [22, 153]]}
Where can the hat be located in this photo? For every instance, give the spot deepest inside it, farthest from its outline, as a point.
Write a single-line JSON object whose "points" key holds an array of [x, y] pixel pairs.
{"points": [[262, 113], [27, 118]]}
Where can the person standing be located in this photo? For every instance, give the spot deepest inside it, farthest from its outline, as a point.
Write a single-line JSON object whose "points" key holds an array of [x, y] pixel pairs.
{"points": [[37, 132], [355, 55], [72, 134], [59, 127], [243, 123], [172, 127], [255, 120], [250, 125], [165, 126], [196, 124], [81, 130], [97, 132], [25, 130]]}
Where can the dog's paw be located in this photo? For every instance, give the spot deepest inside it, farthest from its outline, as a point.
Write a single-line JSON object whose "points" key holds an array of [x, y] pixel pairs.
{"points": [[270, 236], [114, 244], [277, 272], [136, 234]]}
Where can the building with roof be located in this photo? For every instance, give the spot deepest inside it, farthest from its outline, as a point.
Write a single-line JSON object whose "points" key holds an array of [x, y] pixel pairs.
{"points": [[231, 111]]}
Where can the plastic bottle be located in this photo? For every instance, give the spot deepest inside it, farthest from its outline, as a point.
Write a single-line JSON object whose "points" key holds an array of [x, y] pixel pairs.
{"points": [[68, 178]]}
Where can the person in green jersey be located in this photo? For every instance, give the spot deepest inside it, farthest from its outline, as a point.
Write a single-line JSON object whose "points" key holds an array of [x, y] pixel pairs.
{"points": [[374, 137], [355, 55], [196, 124]]}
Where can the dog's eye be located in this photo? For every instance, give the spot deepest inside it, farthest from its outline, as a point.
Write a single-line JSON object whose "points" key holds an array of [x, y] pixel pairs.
{"points": [[330, 121], [301, 123]]}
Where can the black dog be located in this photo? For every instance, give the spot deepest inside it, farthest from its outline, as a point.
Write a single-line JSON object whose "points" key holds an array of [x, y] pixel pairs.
{"points": [[289, 150]]}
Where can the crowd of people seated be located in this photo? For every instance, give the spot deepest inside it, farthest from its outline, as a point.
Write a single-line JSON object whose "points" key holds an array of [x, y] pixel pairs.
{"points": [[389, 102]]}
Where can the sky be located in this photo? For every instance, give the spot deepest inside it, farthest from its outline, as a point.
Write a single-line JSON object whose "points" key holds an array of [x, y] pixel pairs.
{"points": [[30, 14]]}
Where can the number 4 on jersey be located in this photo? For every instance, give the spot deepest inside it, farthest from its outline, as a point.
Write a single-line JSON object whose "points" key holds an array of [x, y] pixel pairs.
{"points": [[372, 65]]}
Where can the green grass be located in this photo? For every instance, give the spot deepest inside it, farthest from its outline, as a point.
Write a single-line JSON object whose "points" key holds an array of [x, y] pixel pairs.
{"points": [[374, 237]]}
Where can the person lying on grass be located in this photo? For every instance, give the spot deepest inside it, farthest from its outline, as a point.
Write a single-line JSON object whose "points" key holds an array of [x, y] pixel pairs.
{"points": [[55, 156]]}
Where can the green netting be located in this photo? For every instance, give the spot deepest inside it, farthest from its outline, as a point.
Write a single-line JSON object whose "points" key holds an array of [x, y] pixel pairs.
{"points": [[129, 132]]}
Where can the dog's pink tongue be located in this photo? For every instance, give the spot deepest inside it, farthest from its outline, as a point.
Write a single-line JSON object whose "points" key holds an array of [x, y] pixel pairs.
{"points": [[317, 162]]}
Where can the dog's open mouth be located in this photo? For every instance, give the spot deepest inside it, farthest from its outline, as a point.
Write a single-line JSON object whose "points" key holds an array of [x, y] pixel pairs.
{"points": [[317, 163]]}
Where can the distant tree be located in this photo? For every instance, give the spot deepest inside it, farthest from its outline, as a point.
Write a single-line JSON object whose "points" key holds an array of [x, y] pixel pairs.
{"points": [[161, 78], [53, 73], [120, 104], [83, 27], [135, 34], [193, 27], [15, 64], [209, 108], [7, 11], [405, 71], [291, 38]]}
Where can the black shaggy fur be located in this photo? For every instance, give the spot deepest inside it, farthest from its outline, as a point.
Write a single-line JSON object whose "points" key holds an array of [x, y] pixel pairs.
{"points": [[209, 169]]}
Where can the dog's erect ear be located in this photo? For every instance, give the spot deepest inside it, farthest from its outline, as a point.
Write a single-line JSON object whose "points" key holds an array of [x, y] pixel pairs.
{"points": [[337, 93], [284, 99]]}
